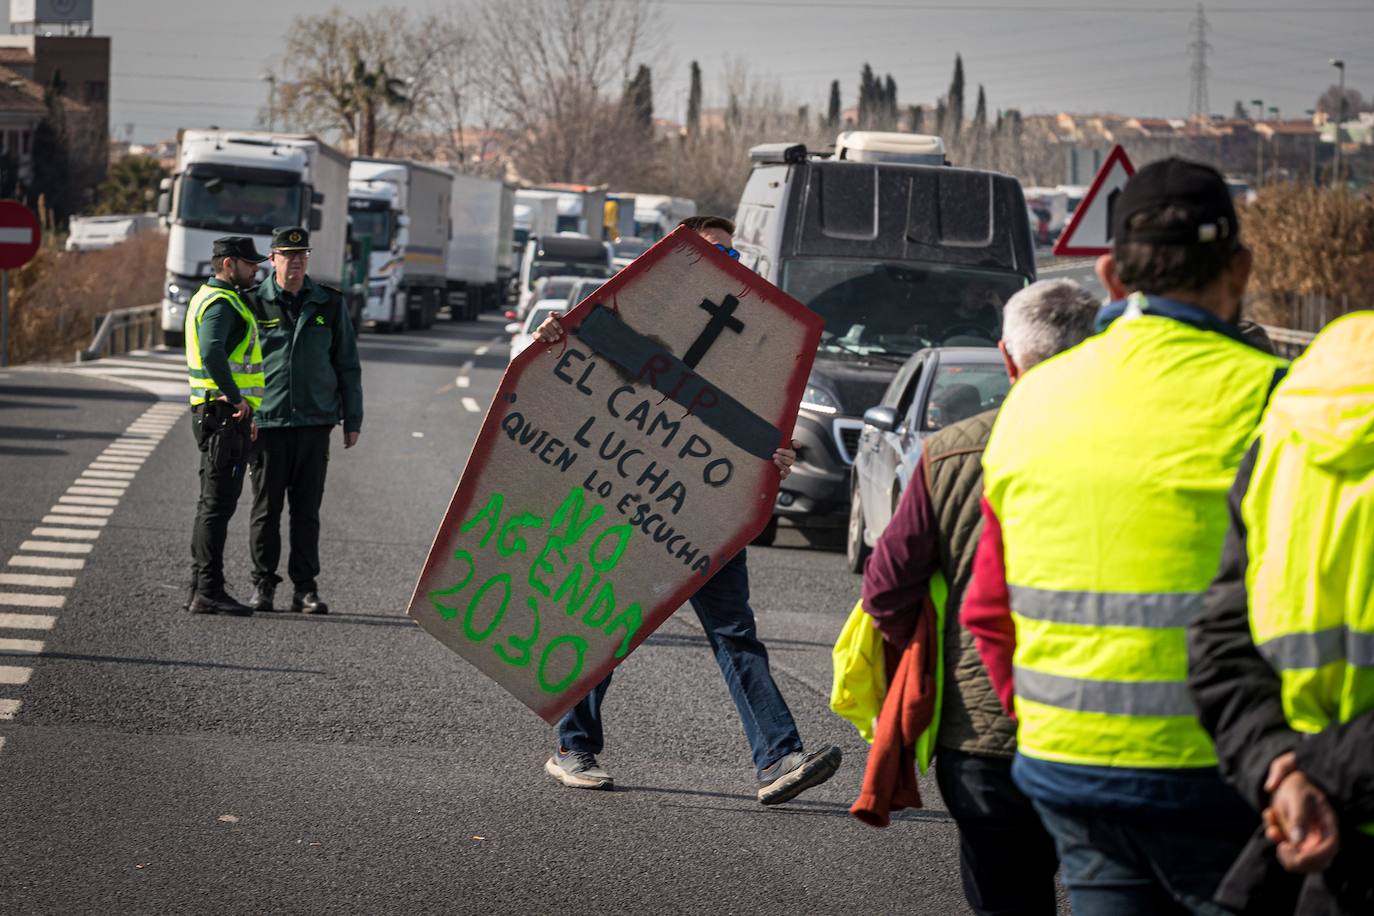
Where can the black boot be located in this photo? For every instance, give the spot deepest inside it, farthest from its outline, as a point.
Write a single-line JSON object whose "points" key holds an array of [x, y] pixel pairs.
{"points": [[308, 602], [220, 603], [262, 597]]}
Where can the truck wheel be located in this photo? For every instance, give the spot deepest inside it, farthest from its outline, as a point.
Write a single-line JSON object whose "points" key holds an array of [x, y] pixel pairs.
{"points": [[768, 535], [855, 550], [174, 339]]}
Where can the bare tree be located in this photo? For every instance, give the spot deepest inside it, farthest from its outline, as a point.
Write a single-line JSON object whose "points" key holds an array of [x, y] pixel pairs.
{"points": [[555, 71]]}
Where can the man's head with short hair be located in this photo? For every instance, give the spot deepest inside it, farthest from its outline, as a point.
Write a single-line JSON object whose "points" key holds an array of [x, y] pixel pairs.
{"points": [[700, 224], [1045, 318], [1175, 234]]}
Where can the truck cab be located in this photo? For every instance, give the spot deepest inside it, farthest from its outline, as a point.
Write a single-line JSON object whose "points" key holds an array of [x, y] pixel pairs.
{"points": [[898, 252], [561, 255], [240, 183], [377, 219]]}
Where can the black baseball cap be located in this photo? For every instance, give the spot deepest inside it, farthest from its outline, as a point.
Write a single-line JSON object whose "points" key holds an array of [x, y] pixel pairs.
{"points": [[237, 246], [290, 238], [1197, 189]]}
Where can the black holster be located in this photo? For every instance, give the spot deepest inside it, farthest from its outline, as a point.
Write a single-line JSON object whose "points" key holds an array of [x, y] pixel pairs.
{"points": [[225, 440]]}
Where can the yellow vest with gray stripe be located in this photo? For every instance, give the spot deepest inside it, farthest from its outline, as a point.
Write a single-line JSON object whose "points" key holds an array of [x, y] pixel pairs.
{"points": [[245, 359], [1108, 469], [1309, 516]]}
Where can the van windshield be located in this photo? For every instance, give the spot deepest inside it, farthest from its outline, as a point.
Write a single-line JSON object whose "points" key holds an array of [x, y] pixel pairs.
{"points": [[240, 201], [568, 269], [895, 308]]}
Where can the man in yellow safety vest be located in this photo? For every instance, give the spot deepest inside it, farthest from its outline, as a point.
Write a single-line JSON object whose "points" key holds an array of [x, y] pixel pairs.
{"points": [[1105, 483], [224, 368], [1281, 660]]}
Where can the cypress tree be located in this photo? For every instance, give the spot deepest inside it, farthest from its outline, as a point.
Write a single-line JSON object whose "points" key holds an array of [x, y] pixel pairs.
{"points": [[694, 102], [832, 116], [955, 106]]}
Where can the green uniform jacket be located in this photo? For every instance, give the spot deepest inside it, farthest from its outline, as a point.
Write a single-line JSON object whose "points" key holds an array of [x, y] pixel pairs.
{"points": [[313, 374]]}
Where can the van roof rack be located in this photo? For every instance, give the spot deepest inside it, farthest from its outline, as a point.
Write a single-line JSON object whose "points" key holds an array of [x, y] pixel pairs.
{"points": [[789, 153]]}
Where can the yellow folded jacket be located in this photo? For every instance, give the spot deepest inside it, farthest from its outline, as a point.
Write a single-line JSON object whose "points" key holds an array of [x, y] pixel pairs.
{"points": [[860, 683]]}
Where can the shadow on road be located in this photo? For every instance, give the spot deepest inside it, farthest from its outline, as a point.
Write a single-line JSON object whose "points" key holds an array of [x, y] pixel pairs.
{"points": [[679, 640], [169, 662], [80, 394], [24, 450], [43, 433], [366, 620]]}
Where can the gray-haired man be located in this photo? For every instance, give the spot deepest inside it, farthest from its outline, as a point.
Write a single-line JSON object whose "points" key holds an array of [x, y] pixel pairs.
{"points": [[1006, 859]]}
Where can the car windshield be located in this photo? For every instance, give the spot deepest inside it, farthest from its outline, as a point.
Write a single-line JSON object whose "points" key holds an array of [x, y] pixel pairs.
{"points": [[538, 314], [960, 391], [887, 308], [573, 268], [241, 201], [374, 224], [555, 288]]}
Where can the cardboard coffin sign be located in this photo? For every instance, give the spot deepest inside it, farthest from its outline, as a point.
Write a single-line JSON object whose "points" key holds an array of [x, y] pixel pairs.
{"points": [[616, 471]]}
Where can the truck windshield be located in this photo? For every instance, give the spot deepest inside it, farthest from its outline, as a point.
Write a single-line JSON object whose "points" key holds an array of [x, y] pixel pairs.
{"points": [[241, 201], [372, 223], [882, 307]]}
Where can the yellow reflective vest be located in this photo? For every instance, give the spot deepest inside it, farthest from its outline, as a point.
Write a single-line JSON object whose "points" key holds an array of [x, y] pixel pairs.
{"points": [[1309, 516], [245, 359], [1108, 469]]}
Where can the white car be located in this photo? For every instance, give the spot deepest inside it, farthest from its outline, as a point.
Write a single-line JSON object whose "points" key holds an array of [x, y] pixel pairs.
{"points": [[545, 288], [522, 331]]}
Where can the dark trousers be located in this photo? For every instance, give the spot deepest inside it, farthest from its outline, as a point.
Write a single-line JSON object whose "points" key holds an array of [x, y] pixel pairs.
{"points": [[288, 469], [722, 606], [222, 465], [1006, 857]]}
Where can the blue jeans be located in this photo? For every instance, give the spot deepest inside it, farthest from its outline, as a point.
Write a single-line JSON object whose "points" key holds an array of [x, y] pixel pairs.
{"points": [[1115, 865], [722, 606]]}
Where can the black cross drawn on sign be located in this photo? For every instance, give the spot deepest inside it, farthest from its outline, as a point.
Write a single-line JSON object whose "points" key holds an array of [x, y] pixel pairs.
{"points": [[722, 317]]}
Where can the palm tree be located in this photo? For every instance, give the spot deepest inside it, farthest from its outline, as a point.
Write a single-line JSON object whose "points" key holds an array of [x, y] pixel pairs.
{"points": [[371, 90]]}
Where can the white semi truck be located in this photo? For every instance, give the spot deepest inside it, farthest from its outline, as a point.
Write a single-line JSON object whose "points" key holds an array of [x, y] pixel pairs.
{"points": [[536, 213], [656, 215], [401, 209], [480, 257], [581, 208], [238, 182]]}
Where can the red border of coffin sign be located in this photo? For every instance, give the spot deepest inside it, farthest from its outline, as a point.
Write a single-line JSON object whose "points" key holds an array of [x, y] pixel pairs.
{"points": [[16, 248], [1064, 246], [610, 338]]}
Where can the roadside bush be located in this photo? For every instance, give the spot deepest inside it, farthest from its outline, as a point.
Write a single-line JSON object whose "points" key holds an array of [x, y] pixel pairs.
{"points": [[55, 298], [1314, 254]]}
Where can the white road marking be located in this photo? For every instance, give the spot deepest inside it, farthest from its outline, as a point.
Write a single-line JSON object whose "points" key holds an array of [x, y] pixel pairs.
{"points": [[42, 562], [482, 350], [27, 599], [27, 621], [21, 646], [84, 534], [119, 485], [142, 444], [87, 501], [73, 520], [94, 491], [16, 675], [112, 461], [82, 510], [463, 381], [55, 547], [35, 580], [8, 708], [471, 405], [95, 470], [129, 451]]}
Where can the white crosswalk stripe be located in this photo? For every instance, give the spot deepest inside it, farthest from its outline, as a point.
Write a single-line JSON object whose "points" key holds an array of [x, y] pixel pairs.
{"points": [[158, 372], [37, 580]]}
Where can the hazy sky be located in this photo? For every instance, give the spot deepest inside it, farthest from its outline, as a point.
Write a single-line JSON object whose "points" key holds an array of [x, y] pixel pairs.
{"points": [[196, 62]]}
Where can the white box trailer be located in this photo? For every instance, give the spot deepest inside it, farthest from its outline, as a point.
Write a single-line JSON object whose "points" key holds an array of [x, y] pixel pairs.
{"points": [[243, 182], [479, 252], [408, 276]]}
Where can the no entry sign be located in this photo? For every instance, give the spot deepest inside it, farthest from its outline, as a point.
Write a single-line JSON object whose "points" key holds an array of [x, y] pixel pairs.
{"points": [[20, 234], [617, 471]]}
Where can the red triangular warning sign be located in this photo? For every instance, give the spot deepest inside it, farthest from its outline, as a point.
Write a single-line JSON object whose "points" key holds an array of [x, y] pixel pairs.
{"points": [[1089, 232]]}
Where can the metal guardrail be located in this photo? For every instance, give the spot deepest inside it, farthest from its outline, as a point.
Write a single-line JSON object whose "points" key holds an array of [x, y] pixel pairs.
{"points": [[1287, 342], [124, 330]]}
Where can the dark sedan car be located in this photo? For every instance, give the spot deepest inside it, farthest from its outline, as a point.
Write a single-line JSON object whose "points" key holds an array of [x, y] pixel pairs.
{"points": [[934, 388]]}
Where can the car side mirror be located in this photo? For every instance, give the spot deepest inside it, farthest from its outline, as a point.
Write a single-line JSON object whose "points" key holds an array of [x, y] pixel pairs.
{"points": [[881, 418]]}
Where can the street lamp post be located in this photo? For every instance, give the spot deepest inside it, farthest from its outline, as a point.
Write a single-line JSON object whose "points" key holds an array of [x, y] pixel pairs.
{"points": [[1340, 119], [271, 80]]}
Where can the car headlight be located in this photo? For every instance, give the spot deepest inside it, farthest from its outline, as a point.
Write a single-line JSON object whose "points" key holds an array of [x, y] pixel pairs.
{"points": [[818, 400]]}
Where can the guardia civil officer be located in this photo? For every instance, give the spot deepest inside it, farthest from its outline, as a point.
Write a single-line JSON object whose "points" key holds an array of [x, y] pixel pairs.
{"points": [[224, 367], [313, 381]]}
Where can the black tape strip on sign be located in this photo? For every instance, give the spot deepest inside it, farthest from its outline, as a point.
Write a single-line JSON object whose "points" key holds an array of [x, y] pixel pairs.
{"points": [[647, 360]]}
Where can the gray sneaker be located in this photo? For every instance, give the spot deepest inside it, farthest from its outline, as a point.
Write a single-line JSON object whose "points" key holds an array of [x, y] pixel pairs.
{"points": [[578, 770], [797, 772]]}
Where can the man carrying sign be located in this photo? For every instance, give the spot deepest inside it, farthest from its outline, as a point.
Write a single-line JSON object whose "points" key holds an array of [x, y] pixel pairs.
{"points": [[785, 769]]}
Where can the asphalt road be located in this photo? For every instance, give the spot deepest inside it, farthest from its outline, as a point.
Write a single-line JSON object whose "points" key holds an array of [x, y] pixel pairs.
{"points": [[160, 762]]}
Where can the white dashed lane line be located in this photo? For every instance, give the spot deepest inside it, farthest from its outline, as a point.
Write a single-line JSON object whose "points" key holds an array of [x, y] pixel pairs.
{"points": [[482, 350], [60, 543], [471, 405]]}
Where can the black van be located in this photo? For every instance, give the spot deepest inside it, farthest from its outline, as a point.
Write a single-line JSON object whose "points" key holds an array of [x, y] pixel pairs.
{"points": [[896, 257]]}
